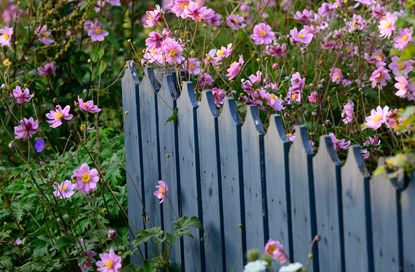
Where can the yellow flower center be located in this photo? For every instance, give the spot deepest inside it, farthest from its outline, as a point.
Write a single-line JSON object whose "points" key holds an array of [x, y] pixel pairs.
{"points": [[184, 5], [58, 115], [108, 264], [377, 118], [6, 36], [173, 53], [162, 190], [98, 30], [401, 65], [271, 249], [220, 53], [379, 56], [191, 66], [404, 37], [294, 96], [388, 24], [64, 188], [301, 35], [86, 104], [263, 33], [337, 75], [86, 177]]}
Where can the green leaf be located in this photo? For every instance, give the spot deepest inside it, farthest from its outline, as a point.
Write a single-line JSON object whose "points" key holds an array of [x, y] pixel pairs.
{"points": [[102, 67], [379, 170], [85, 4], [173, 117], [182, 225], [147, 234]]}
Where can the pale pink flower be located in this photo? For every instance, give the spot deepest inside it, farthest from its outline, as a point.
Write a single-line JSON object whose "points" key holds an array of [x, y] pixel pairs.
{"points": [[10, 14], [22, 96], [26, 128], [380, 77], [235, 68], [275, 250], [339, 144], [302, 37], [218, 96], [400, 67], [306, 16], [377, 117], [47, 69], [224, 52], [86, 264], [55, 116], [196, 13], [18, 242], [153, 17], [212, 18], [112, 234], [276, 50], [172, 51], [403, 38], [192, 66], [275, 102], [88, 106], [262, 34], [235, 21], [64, 190], [44, 35], [161, 191], [205, 80], [312, 98], [97, 32], [110, 262], [6, 36], [86, 179], [179, 7], [365, 154], [347, 113], [372, 141], [115, 3], [403, 86], [387, 25], [154, 40], [336, 75]]}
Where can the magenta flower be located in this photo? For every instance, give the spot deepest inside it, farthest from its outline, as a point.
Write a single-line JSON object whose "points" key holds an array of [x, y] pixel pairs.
{"points": [[372, 141], [86, 179], [64, 190], [153, 17], [312, 98], [193, 11], [172, 51], [218, 96], [336, 75], [6, 36], [262, 34], [39, 145], [154, 40], [205, 80], [44, 35], [347, 113], [179, 6], [192, 66], [161, 191], [403, 38], [235, 68], [110, 262], [88, 106], [235, 21], [302, 37], [112, 234], [276, 50], [22, 96], [387, 25], [47, 69], [26, 128], [377, 117], [339, 144], [55, 116], [275, 250], [97, 32], [379, 77]]}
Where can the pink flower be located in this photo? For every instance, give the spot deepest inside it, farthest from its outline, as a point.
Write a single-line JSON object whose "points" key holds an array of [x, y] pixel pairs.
{"points": [[18, 242], [154, 40], [339, 144], [153, 17], [387, 25], [44, 35], [115, 3], [224, 52], [377, 117], [47, 69], [10, 14], [88, 106], [403, 86], [110, 262], [22, 96], [112, 234], [86, 179], [302, 37], [55, 116], [235, 68], [306, 16], [205, 80], [172, 51], [336, 75], [97, 32], [357, 23], [218, 96], [192, 66], [400, 67], [403, 38], [276, 251], [347, 113], [365, 154], [212, 18], [64, 190], [196, 13], [262, 34], [276, 50], [86, 264], [161, 191], [379, 77], [312, 98], [235, 21], [373, 141], [296, 88], [26, 128], [275, 102], [6, 36], [179, 6]]}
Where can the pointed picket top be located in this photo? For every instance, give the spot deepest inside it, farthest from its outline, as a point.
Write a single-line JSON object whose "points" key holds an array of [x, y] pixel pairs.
{"points": [[130, 72], [253, 120], [167, 92], [302, 140], [229, 111], [326, 149], [276, 128], [207, 103], [151, 77], [354, 158], [187, 96]]}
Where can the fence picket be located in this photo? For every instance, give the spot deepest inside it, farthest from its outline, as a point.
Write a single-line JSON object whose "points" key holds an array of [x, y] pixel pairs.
{"points": [[166, 103], [232, 185], [356, 213], [302, 196], [254, 179], [278, 191], [210, 182], [189, 174], [327, 188], [132, 146], [407, 202]]}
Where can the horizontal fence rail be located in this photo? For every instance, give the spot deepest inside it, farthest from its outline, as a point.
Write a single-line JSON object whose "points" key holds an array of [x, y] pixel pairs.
{"points": [[247, 185]]}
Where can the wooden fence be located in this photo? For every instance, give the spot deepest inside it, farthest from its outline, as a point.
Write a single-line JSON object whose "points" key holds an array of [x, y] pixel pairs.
{"points": [[247, 185]]}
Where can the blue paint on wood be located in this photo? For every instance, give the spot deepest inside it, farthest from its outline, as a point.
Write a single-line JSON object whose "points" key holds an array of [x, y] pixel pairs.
{"points": [[407, 202]]}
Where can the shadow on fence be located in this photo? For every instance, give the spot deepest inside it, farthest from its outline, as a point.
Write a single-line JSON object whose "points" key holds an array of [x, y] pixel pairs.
{"points": [[247, 185]]}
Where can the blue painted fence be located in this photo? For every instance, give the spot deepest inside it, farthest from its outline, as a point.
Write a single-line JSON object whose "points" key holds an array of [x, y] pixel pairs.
{"points": [[247, 185]]}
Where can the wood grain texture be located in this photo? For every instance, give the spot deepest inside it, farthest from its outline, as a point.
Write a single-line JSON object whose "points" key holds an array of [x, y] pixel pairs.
{"points": [[408, 225], [327, 188]]}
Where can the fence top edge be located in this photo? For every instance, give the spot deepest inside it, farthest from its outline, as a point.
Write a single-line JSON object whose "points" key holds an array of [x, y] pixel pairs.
{"points": [[187, 95], [229, 108], [207, 101], [326, 147], [276, 126], [301, 139], [131, 71], [354, 158], [252, 119]]}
